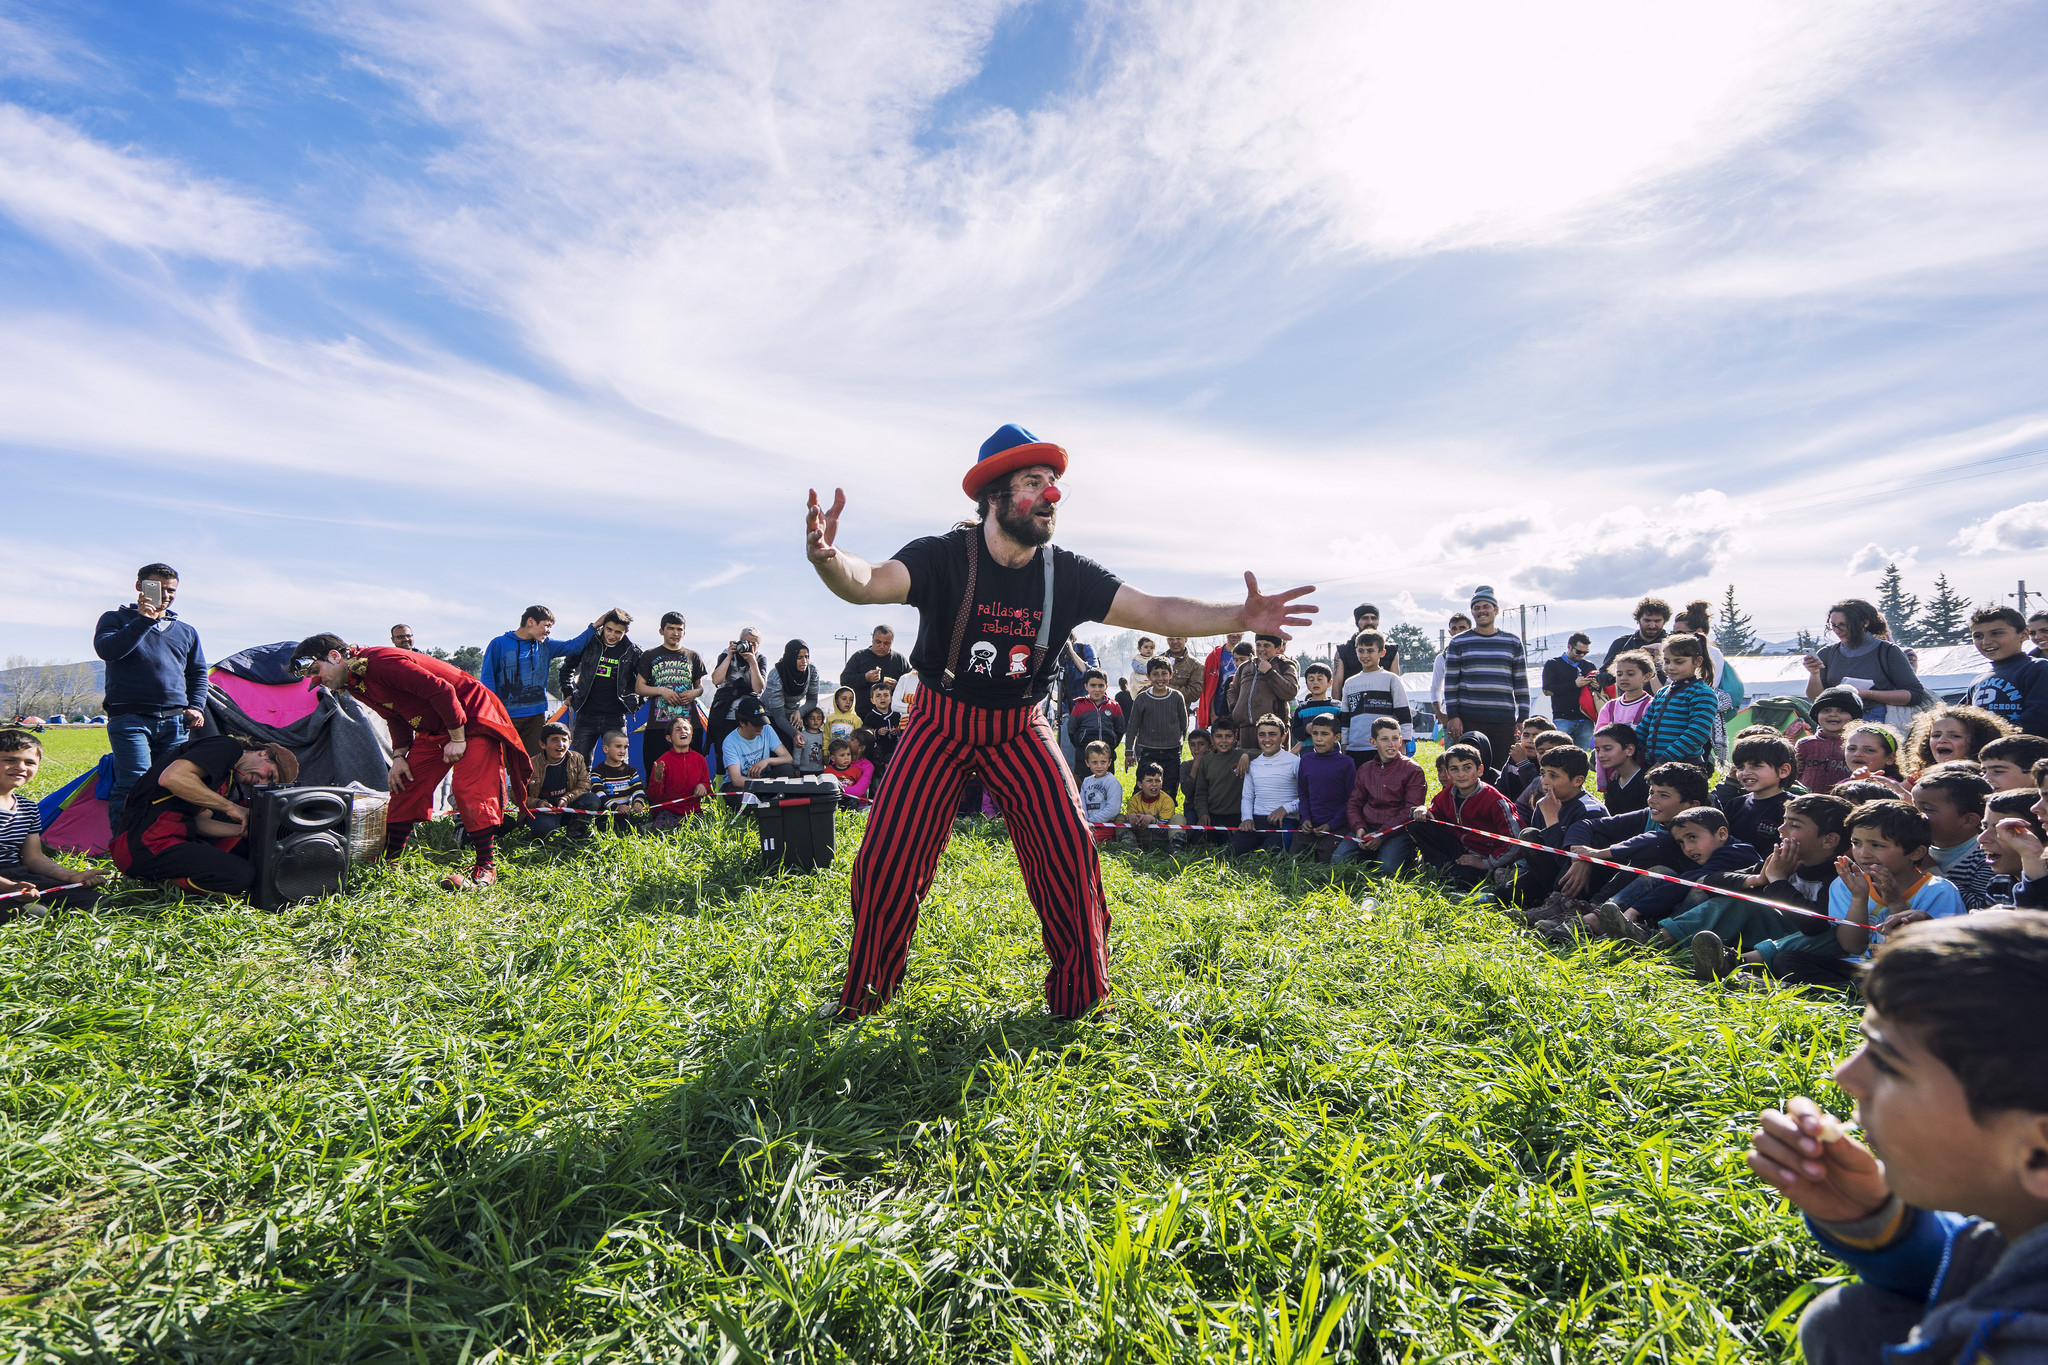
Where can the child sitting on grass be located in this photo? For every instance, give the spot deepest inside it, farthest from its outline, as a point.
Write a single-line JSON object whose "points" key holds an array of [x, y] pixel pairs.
{"points": [[2014, 845], [1557, 810], [2008, 764], [1148, 816], [1822, 762], [1707, 847], [1325, 776], [681, 778], [1454, 831], [1678, 725], [1953, 734], [27, 872], [1879, 881], [1641, 839], [1798, 872], [845, 765], [1763, 765], [1269, 808], [1518, 770], [560, 778], [1384, 794], [1952, 797], [615, 788], [1102, 796], [1624, 781], [1945, 1232], [844, 717]]}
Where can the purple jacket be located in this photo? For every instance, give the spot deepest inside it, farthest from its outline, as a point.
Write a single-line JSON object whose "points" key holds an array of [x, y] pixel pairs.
{"points": [[1326, 788]]}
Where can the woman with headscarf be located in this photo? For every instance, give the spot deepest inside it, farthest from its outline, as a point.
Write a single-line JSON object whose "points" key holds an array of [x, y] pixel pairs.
{"points": [[792, 689]]}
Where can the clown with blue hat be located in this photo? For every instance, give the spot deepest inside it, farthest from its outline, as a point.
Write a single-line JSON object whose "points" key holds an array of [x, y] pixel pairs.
{"points": [[997, 602]]}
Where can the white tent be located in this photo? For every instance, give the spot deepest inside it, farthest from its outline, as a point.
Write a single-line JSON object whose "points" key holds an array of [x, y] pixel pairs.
{"points": [[1946, 671]]}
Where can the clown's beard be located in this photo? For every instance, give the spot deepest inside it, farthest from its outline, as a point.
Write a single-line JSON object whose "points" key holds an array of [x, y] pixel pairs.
{"points": [[1026, 528]]}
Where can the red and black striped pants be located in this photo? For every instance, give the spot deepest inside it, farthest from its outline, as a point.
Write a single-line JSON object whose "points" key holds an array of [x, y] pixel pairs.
{"points": [[1018, 758]]}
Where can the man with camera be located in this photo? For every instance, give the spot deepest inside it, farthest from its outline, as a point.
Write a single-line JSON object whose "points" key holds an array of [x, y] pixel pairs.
{"points": [[156, 680], [738, 674]]}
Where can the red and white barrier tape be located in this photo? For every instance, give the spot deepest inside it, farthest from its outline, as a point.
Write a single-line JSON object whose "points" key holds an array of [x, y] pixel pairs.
{"points": [[42, 890]]}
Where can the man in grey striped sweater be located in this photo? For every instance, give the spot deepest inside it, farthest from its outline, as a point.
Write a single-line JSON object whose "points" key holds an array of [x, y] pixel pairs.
{"points": [[1486, 679]]}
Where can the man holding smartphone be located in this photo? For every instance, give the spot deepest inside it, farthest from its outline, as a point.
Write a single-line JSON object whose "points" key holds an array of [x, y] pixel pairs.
{"points": [[156, 680]]}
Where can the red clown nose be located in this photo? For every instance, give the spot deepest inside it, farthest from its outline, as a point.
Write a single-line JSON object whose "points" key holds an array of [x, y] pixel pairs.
{"points": [[1052, 494]]}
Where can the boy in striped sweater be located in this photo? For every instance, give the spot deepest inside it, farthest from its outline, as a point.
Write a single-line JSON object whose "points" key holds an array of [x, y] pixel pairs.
{"points": [[1486, 678], [1678, 726]]}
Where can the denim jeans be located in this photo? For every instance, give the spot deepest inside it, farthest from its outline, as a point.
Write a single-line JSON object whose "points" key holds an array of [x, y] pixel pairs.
{"points": [[137, 743], [1266, 835], [1580, 729]]}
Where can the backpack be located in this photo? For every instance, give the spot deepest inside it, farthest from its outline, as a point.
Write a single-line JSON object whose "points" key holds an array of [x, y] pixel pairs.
{"points": [[1592, 696]]}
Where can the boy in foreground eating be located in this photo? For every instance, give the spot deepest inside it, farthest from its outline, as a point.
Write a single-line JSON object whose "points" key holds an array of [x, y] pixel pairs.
{"points": [[1942, 1215]]}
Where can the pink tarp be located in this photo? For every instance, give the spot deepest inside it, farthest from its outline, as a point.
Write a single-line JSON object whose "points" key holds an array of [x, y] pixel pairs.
{"points": [[81, 828], [267, 703]]}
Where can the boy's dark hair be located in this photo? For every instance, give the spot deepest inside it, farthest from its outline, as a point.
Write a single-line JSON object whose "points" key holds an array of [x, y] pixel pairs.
{"points": [[880, 687], [1458, 616], [1773, 749], [1146, 770], [1363, 608], [2037, 616], [608, 736], [1549, 741], [536, 612], [1221, 723], [674, 721], [1384, 723], [1464, 753], [1161, 664], [1269, 719], [1321, 668], [1538, 723], [1976, 988], [841, 742], [1654, 606], [1095, 675], [1199, 733], [319, 646], [2022, 751], [2014, 806], [1148, 640], [1862, 791], [616, 615], [1326, 719], [14, 741], [1096, 746], [1897, 822], [1708, 818], [1967, 791], [1369, 639], [1622, 734], [1243, 649], [809, 711], [672, 618], [1748, 730], [1572, 762], [1985, 616], [1684, 778], [555, 727], [1830, 814], [1639, 657], [1685, 647], [157, 571]]}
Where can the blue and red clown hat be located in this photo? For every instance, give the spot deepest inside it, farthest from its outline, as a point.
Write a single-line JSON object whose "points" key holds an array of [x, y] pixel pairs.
{"points": [[1011, 448]]}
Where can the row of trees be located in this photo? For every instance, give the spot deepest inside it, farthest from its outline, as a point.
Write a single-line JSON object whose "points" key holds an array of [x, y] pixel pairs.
{"points": [[42, 687], [1942, 619]]}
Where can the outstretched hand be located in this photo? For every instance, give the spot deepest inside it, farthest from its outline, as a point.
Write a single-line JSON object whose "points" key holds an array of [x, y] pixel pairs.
{"points": [[1271, 615], [821, 527]]}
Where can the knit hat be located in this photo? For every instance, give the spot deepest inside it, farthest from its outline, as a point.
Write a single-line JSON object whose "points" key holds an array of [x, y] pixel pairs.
{"points": [[1484, 593], [1011, 448], [1842, 697]]}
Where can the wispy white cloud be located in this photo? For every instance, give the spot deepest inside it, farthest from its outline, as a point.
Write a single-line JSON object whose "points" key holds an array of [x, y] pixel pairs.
{"points": [[1874, 556], [1626, 551], [58, 182], [2016, 529]]}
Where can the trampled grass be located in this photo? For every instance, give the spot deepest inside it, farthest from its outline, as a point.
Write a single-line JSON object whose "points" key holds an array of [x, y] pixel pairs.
{"points": [[589, 1115]]}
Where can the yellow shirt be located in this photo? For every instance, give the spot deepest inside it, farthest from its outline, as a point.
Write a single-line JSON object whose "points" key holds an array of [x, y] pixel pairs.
{"points": [[1160, 809], [840, 724]]}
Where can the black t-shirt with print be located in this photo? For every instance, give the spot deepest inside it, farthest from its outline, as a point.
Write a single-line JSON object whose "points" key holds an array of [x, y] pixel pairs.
{"points": [[1002, 626], [681, 669], [608, 683], [214, 756]]}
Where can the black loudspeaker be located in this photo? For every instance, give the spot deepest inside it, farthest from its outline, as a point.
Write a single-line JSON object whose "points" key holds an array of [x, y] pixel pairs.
{"points": [[298, 841], [795, 819]]}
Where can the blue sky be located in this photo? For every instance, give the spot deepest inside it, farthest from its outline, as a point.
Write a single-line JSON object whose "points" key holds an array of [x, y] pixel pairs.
{"points": [[391, 311]]}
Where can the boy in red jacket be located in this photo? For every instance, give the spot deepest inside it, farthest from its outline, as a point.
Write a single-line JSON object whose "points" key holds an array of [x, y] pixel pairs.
{"points": [[1388, 788], [1474, 809], [443, 721]]}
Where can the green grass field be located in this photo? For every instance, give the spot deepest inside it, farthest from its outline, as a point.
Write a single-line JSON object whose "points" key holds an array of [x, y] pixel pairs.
{"points": [[67, 753], [589, 1115]]}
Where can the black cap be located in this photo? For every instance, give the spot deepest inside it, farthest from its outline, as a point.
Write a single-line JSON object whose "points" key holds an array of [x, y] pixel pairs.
{"points": [[750, 712]]}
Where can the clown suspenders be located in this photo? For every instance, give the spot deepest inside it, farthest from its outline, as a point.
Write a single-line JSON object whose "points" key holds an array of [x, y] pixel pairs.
{"points": [[1038, 648]]}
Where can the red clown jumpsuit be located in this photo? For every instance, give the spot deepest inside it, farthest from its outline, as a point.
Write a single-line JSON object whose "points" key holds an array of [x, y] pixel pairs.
{"points": [[421, 698]]}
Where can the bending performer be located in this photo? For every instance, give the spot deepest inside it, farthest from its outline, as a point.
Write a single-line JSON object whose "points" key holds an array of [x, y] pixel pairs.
{"points": [[993, 596]]}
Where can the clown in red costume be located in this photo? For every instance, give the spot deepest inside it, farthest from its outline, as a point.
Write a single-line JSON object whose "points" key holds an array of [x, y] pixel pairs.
{"points": [[993, 597], [443, 721]]}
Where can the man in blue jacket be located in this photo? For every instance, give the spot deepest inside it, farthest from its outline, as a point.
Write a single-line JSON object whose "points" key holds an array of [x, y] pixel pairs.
{"points": [[156, 680], [516, 667]]}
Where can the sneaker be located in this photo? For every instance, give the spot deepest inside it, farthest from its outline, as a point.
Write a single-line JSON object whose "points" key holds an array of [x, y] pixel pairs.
{"points": [[455, 881], [1619, 925], [482, 875], [1711, 959], [1558, 931]]}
